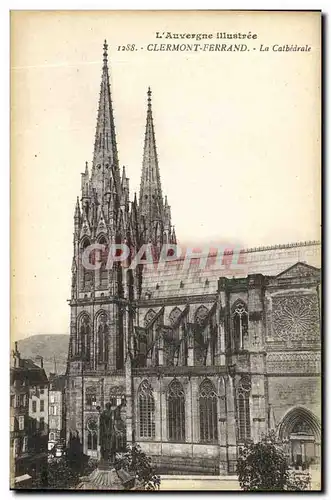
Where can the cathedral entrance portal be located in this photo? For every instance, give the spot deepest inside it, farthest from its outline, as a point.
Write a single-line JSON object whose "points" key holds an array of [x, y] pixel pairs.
{"points": [[301, 430]]}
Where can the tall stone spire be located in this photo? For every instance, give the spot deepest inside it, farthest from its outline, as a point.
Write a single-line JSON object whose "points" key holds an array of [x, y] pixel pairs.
{"points": [[105, 157], [150, 198], [154, 212]]}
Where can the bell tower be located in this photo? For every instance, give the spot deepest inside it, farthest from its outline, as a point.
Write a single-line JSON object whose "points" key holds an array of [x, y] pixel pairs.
{"points": [[105, 294], [103, 216]]}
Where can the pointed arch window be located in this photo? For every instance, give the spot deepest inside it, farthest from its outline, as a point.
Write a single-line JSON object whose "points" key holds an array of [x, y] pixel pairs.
{"points": [[149, 316], [92, 435], [85, 336], [208, 412], [184, 336], [92, 441], [146, 411], [201, 314], [91, 397], [200, 342], [140, 344], [171, 346], [86, 274], [103, 337], [103, 271], [176, 412], [174, 315], [240, 324], [243, 410]]}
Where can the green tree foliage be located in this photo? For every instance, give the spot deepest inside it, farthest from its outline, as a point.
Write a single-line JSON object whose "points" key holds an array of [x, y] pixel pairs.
{"points": [[264, 466], [137, 463]]}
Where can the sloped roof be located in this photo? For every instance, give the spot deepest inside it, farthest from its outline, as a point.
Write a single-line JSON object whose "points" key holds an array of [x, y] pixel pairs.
{"points": [[57, 382], [177, 280], [28, 372], [298, 270]]}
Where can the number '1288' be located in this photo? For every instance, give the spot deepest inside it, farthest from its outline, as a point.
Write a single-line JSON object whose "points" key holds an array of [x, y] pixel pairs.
{"points": [[129, 46]]}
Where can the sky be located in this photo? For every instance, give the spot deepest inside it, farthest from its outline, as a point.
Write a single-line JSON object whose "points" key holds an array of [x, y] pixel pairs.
{"points": [[238, 135]]}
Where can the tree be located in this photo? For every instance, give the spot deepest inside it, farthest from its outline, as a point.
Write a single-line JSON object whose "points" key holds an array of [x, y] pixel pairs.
{"points": [[264, 466], [137, 463], [61, 475]]}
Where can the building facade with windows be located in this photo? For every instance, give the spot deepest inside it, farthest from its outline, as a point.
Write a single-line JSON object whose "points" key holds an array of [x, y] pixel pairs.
{"points": [[56, 409], [228, 367], [29, 386], [205, 357]]}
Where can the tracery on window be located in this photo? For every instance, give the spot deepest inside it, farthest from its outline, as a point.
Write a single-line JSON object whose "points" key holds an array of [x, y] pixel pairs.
{"points": [[208, 412], [85, 336], [103, 256], [117, 395], [176, 412], [302, 427], [171, 346], [91, 396], [240, 324], [103, 337], [201, 314], [174, 315], [86, 274], [92, 435], [149, 316], [296, 317], [146, 411], [243, 409], [140, 347], [200, 336]]}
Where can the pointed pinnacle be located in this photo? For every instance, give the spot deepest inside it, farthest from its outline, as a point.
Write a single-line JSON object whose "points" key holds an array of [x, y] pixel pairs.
{"points": [[77, 208], [149, 98], [86, 168], [105, 53]]}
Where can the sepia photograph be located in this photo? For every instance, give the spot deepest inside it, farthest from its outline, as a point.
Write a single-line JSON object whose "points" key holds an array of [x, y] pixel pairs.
{"points": [[166, 250]]}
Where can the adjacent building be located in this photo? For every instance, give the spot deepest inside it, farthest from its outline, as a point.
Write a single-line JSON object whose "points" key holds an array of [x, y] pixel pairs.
{"points": [[205, 356], [29, 417], [56, 410]]}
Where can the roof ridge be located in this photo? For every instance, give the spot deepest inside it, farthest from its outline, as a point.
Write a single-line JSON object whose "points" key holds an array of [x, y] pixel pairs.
{"points": [[282, 245], [230, 251]]}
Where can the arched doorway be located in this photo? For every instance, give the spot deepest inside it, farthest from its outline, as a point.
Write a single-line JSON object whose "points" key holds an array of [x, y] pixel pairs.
{"points": [[302, 432]]}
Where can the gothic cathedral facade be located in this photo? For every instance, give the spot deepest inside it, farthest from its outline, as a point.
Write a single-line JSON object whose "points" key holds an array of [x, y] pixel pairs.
{"points": [[202, 360]]}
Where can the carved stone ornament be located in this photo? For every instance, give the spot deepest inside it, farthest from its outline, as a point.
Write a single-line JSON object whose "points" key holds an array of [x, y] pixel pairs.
{"points": [[295, 317]]}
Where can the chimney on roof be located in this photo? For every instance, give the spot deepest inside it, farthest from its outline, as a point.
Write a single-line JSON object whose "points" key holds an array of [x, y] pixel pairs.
{"points": [[16, 356], [40, 359]]}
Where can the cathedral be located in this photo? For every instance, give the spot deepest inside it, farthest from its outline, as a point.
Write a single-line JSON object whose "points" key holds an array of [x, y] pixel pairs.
{"points": [[197, 359]]}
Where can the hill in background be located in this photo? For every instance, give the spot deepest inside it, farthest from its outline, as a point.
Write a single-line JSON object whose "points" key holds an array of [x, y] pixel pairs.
{"points": [[49, 347]]}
